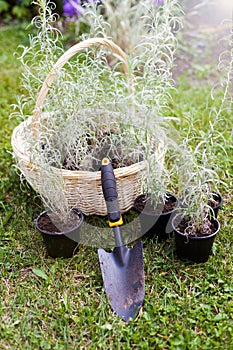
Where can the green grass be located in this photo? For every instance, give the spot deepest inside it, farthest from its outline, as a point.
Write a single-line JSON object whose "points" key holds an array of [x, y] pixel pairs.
{"points": [[60, 303]]}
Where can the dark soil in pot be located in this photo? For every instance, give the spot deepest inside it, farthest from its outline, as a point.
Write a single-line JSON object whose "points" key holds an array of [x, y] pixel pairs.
{"points": [[61, 240], [189, 228], [156, 222], [191, 244]]}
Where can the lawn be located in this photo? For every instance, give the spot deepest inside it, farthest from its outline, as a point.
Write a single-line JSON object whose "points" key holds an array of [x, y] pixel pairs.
{"points": [[60, 303]]}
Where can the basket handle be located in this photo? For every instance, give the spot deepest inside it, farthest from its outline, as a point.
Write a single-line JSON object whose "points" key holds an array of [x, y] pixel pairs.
{"points": [[63, 60]]}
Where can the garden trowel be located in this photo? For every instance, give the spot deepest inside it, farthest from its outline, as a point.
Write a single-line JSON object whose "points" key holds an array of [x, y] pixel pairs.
{"points": [[123, 268]]}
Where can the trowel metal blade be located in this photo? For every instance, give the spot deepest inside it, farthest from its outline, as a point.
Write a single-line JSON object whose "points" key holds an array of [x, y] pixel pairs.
{"points": [[124, 280]]}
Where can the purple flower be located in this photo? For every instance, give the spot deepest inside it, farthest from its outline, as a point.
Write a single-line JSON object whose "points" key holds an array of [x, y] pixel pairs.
{"points": [[158, 2], [73, 8]]}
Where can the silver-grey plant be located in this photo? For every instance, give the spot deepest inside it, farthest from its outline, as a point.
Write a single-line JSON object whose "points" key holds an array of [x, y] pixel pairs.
{"points": [[147, 32], [198, 169]]}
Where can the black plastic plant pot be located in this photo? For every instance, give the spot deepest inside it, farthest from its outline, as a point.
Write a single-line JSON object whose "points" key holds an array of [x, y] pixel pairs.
{"points": [[194, 248], [156, 225], [60, 244]]}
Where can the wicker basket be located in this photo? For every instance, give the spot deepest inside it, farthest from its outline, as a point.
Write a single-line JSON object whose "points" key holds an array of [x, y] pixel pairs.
{"points": [[82, 188]]}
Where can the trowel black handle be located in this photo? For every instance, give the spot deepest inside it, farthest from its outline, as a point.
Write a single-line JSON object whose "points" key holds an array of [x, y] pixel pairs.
{"points": [[108, 181]]}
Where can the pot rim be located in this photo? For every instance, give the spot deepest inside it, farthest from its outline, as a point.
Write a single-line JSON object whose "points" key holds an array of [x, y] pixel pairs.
{"points": [[79, 213], [196, 237]]}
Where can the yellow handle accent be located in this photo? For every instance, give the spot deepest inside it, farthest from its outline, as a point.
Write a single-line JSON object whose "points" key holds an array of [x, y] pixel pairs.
{"points": [[117, 223], [105, 161]]}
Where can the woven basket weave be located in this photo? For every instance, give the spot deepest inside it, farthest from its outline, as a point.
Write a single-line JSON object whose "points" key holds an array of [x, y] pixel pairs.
{"points": [[82, 188]]}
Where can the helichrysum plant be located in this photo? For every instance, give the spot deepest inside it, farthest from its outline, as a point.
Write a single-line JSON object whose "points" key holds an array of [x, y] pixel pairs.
{"points": [[149, 31], [198, 183], [199, 168], [146, 30]]}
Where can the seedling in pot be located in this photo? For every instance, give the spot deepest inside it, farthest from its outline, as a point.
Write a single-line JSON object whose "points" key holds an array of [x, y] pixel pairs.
{"points": [[196, 225], [198, 169], [156, 206]]}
